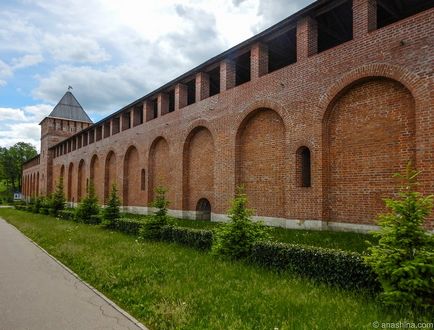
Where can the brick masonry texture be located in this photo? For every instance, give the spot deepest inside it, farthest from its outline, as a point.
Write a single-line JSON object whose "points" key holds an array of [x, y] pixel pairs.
{"points": [[363, 108]]}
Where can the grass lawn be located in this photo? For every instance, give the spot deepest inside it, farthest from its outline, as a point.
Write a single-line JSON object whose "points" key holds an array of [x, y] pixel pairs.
{"points": [[167, 286], [356, 242]]}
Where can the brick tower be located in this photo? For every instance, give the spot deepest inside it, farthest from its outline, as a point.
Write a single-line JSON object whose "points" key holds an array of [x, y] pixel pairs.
{"points": [[67, 118]]}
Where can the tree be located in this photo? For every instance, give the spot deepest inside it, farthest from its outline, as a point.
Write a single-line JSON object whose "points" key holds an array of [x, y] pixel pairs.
{"points": [[152, 227], [88, 209], [404, 257], [112, 210], [58, 198], [236, 238], [11, 161]]}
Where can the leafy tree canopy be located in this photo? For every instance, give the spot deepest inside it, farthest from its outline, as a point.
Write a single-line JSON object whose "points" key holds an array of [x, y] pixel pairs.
{"points": [[11, 160]]}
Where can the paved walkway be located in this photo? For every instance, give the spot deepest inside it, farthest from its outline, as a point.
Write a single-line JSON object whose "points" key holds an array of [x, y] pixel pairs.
{"points": [[38, 293]]}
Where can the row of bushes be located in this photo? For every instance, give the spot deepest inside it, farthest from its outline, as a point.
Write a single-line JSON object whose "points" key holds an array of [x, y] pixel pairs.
{"points": [[335, 267]]}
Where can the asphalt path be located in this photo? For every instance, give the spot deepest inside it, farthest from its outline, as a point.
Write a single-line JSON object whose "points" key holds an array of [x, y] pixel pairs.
{"points": [[39, 293]]}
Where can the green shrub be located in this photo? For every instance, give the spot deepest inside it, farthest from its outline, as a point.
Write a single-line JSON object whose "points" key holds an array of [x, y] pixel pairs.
{"points": [[236, 238], [129, 226], [335, 267], [196, 238], [112, 211], [36, 205], [88, 206], [43, 210], [52, 212], [404, 256], [151, 228], [67, 214], [57, 200], [95, 219]]}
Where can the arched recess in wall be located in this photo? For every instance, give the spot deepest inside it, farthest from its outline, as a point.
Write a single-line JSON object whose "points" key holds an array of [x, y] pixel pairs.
{"points": [[81, 180], [198, 169], [96, 177], [303, 167], [62, 172], [132, 178], [368, 135], [110, 174], [159, 168], [70, 196], [260, 161], [37, 184], [31, 185]]}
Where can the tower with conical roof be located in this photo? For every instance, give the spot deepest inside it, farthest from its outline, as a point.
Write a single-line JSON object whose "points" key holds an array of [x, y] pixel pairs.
{"points": [[67, 118]]}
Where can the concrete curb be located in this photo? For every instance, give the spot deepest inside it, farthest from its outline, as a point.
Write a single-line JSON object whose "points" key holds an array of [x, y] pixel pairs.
{"points": [[110, 302]]}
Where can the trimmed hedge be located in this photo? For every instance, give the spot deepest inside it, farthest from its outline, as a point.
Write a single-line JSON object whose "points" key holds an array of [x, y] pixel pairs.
{"points": [[94, 219], [128, 226], [67, 214], [335, 267], [196, 238]]}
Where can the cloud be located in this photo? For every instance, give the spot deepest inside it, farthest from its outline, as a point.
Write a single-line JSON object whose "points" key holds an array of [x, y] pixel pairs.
{"points": [[23, 132], [11, 114], [26, 61], [70, 48], [31, 113], [273, 11], [5, 73]]}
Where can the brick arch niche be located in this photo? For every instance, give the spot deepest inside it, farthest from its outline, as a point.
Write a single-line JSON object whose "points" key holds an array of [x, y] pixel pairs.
{"points": [[110, 174], [260, 161], [81, 180], [160, 174], [132, 178], [368, 134], [198, 169], [70, 189], [96, 177]]}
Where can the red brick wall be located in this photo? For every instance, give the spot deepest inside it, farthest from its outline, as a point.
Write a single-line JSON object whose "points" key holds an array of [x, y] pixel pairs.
{"points": [[199, 168], [260, 163], [132, 193], [160, 171], [357, 87], [97, 177], [81, 180], [370, 134], [110, 174]]}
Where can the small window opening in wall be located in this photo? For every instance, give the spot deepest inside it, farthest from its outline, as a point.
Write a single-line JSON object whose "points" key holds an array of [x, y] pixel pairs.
{"points": [[203, 209], [191, 91], [143, 180], [303, 170], [154, 108], [107, 129], [126, 120], [138, 114], [99, 133], [91, 136], [74, 144], [171, 97], [242, 69], [214, 81], [116, 125], [282, 50], [391, 11], [335, 26], [80, 140], [85, 136]]}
